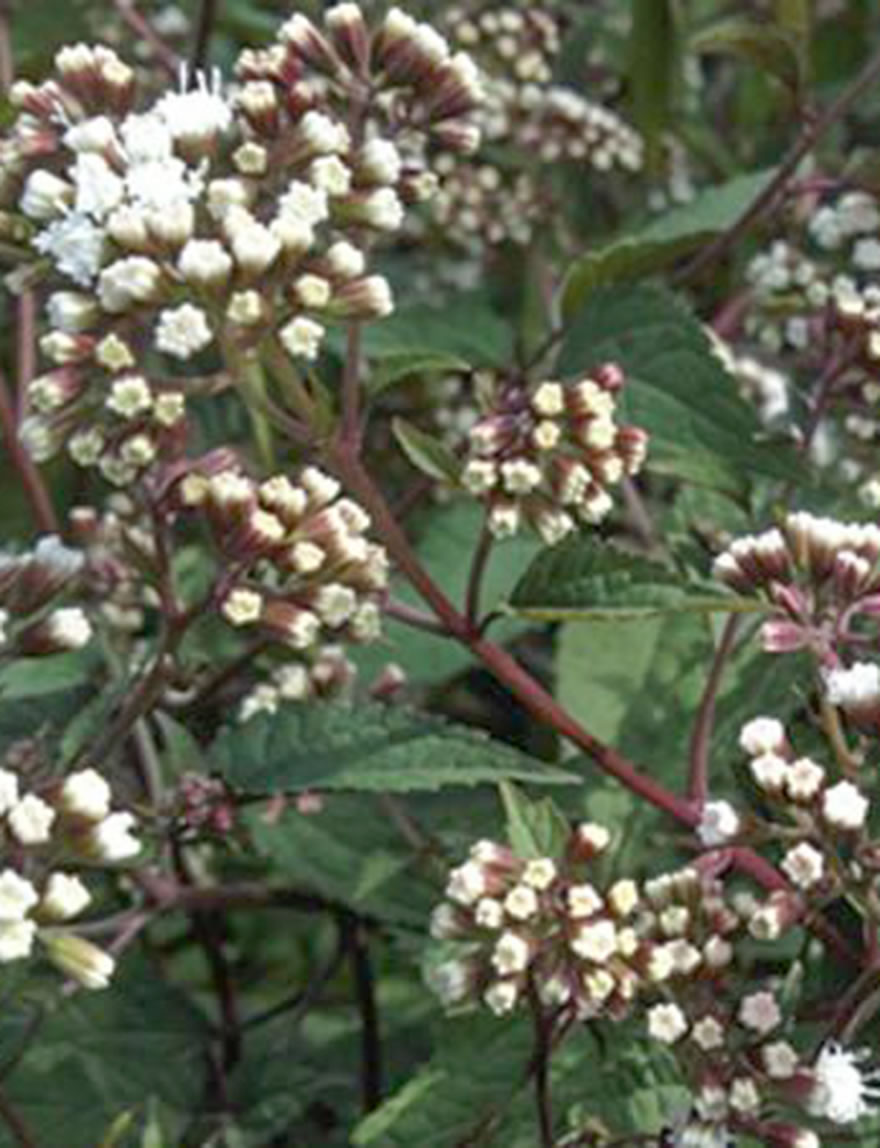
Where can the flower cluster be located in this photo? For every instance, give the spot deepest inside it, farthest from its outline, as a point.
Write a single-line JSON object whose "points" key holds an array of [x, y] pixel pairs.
{"points": [[51, 834], [541, 922], [820, 575], [295, 565], [547, 455], [32, 623], [209, 219], [326, 674]]}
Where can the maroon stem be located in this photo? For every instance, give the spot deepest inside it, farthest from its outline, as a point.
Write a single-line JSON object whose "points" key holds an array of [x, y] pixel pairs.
{"points": [[351, 415], [31, 480], [698, 782], [26, 342], [479, 564], [15, 1124]]}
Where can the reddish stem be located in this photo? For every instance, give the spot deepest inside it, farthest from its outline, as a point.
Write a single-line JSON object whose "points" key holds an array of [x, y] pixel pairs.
{"points": [[698, 784], [31, 480]]}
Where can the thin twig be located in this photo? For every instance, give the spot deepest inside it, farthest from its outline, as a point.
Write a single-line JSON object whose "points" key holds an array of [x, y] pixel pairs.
{"points": [[412, 616], [204, 32], [351, 428], [26, 347], [15, 1124], [7, 60], [299, 1003], [31, 480], [766, 200], [701, 741], [365, 997], [479, 563], [543, 1099]]}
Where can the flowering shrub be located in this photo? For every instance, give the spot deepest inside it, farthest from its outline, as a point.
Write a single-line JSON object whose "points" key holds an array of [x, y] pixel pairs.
{"points": [[439, 667]]}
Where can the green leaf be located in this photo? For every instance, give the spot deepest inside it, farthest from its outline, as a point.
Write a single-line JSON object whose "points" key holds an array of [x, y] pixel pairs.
{"points": [[479, 1067], [675, 234], [426, 453], [534, 828], [395, 368], [584, 579], [769, 48], [465, 327], [35, 677], [366, 748], [677, 389], [653, 70]]}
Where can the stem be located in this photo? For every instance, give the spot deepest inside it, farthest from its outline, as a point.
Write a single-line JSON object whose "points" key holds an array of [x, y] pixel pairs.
{"points": [[26, 321], [698, 784], [764, 202], [15, 1124], [831, 724], [7, 62], [365, 997], [475, 580], [501, 664], [299, 1004], [411, 616], [204, 31], [351, 419], [543, 1097], [29, 476]]}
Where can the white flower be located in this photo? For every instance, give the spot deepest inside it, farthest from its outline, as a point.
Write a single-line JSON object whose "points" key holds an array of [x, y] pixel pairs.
{"points": [[80, 959], [623, 896], [708, 1033], [254, 245], [466, 884], [95, 134], [844, 807], [804, 779], [540, 874], [583, 901], [331, 175], [129, 396], [382, 210], [302, 338], [305, 204], [197, 115], [510, 955], [445, 924], [744, 1095], [75, 244], [183, 332], [98, 188], [312, 291], [335, 604], [45, 196], [68, 628], [841, 1090], [65, 896], [548, 400], [245, 308], [17, 896], [719, 822], [780, 1060], [450, 981], [71, 311], [595, 942], [205, 262], [346, 260], [592, 837], [128, 281], [760, 1012], [112, 838], [86, 794], [521, 903], [504, 520], [489, 913], [16, 940], [242, 607], [8, 790], [31, 820], [380, 162], [770, 771], [856, 688], [520, 476], [762, 735], [667, 1023], [324, 135], [501, 997], [803, 865]]}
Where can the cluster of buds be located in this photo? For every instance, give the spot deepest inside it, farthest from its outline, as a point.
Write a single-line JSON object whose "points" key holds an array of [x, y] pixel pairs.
{"points": [[821, 576], [295, 565], [827, 817], [542, 923], [532, 119], [548, 454], [32, 623], [71, 824], [326, 674], [204, 804], [208, 223]]}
